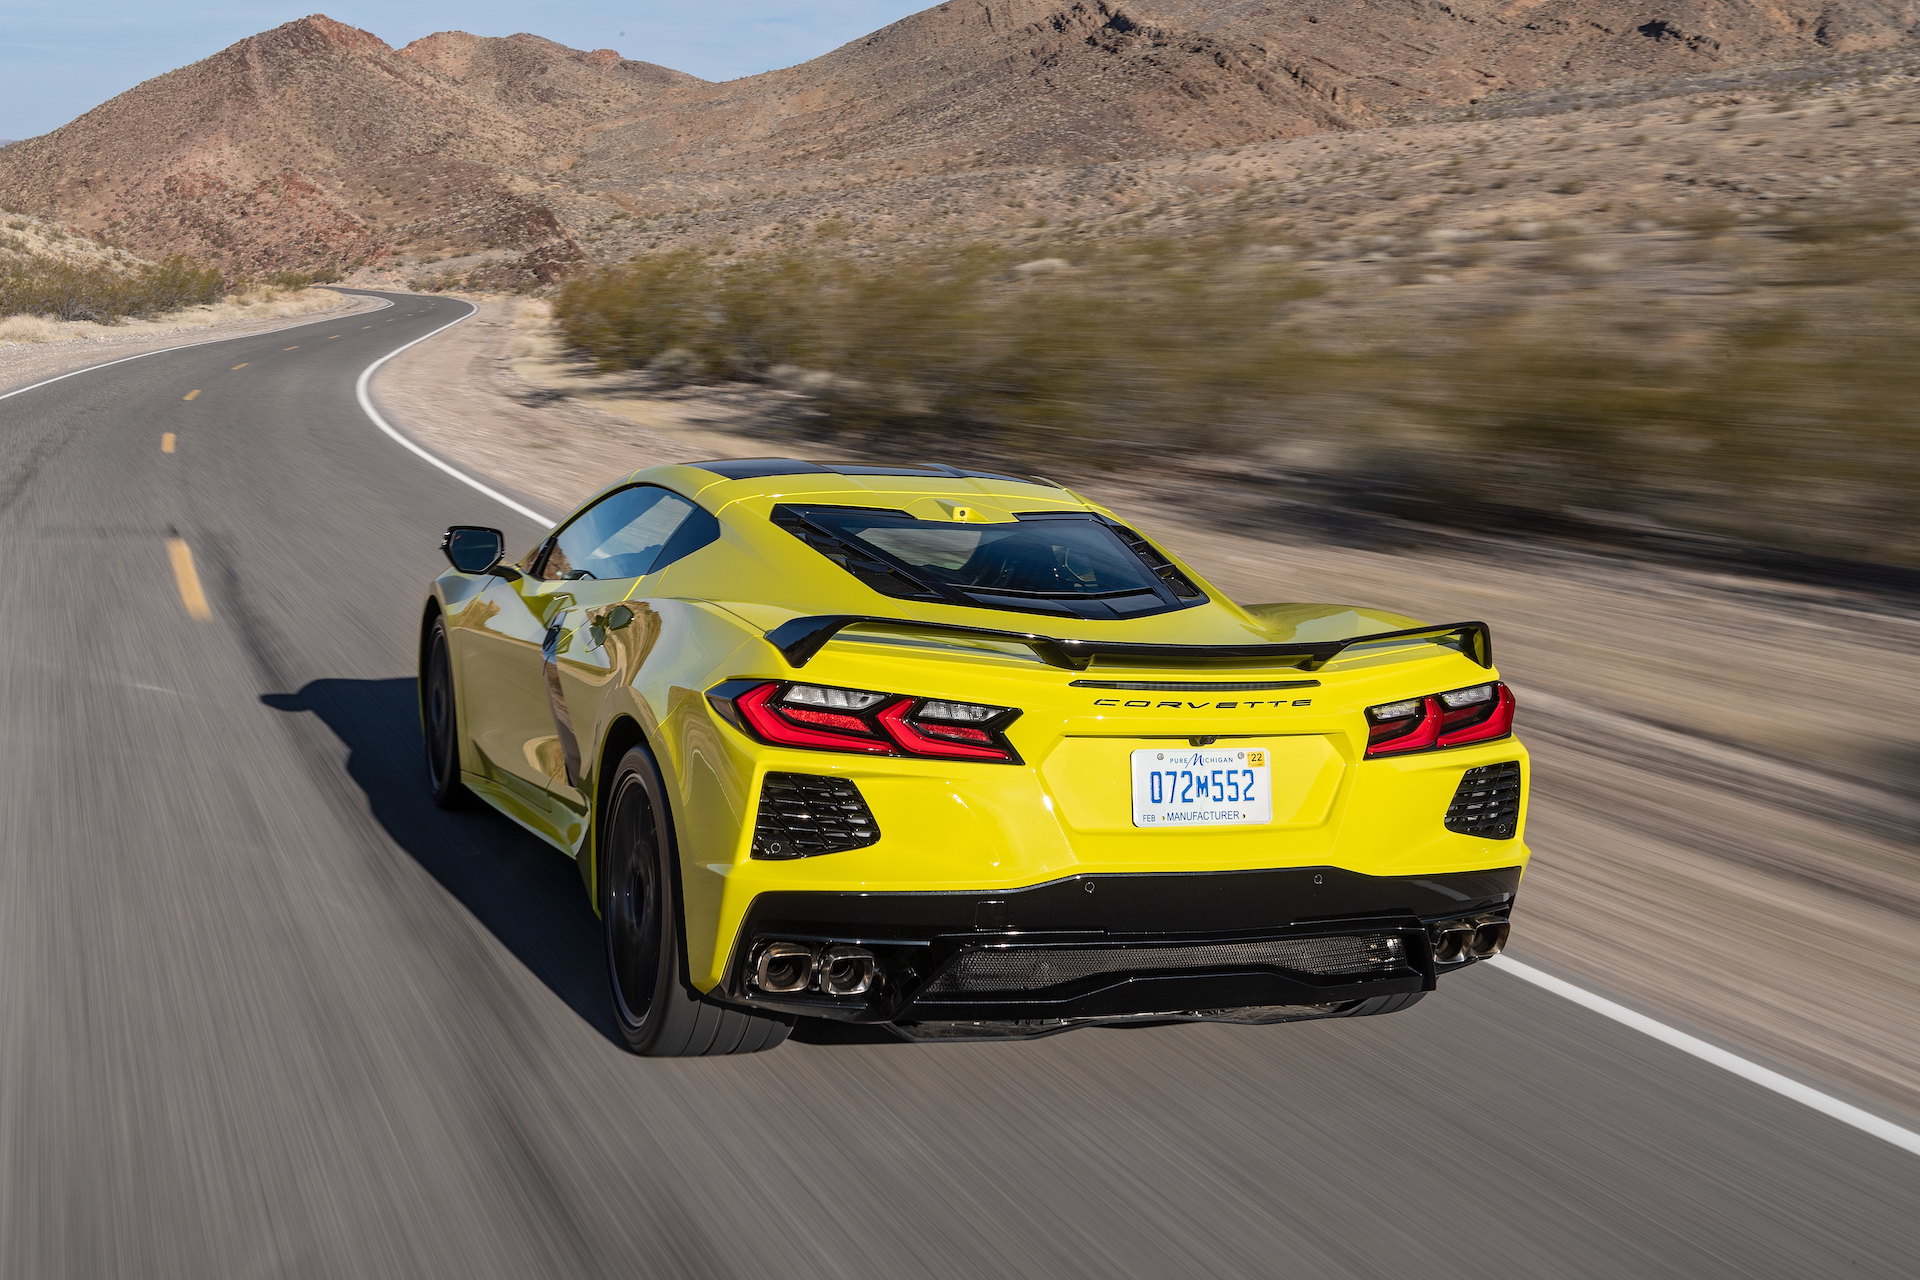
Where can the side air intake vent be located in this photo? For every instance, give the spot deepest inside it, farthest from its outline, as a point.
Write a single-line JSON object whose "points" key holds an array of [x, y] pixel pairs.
{"points": [[1178, 582], [805, 814], [1487, 802]]}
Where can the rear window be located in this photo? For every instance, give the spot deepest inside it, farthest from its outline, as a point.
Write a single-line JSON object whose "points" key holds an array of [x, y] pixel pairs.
{"points": [[1067, 563]]}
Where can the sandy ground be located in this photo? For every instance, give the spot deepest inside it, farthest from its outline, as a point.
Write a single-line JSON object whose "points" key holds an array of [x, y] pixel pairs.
{"points": [[1723, 828], [62, 348]]}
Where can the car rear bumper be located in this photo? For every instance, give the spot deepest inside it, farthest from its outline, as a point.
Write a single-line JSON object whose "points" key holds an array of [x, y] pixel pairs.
{"points": [[1265, 946]]}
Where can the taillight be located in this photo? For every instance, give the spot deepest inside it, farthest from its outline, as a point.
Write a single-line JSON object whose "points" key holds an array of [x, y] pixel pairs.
{"points": [[1479, 713], [791, 725], [822, 718]]}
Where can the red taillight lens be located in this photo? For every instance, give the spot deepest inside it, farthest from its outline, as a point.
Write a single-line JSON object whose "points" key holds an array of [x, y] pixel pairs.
{"points": [[1412, 725], [945, 741], [1479, 713], [795, 726], [827, 719]]}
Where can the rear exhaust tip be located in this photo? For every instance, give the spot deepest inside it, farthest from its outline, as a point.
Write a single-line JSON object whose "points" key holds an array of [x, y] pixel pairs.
{"points": [[847, 971], [1475, 938], [1489, 938], [783, 968], [1453, 943]]}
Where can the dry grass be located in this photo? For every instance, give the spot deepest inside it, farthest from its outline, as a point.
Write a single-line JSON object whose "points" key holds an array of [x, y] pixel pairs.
{"points": [[65, 290], [1785, 420], [253, 304], [26, 329], [1046, 360], [57, 285]]}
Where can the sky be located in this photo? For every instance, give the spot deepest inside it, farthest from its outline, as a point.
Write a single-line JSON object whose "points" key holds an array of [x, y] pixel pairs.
{"points": [[59, 60]]}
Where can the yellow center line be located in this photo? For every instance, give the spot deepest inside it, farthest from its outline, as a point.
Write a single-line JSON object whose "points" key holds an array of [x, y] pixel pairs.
{"points": [[332, 336], [294, 347], [166, 443], [243, 364], [191, 394], [366, 326], [184, 577]]}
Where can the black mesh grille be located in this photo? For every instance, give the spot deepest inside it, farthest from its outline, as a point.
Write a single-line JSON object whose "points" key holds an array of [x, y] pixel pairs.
{"points": [[803, 814], [1487, 802], [1036, 968]]}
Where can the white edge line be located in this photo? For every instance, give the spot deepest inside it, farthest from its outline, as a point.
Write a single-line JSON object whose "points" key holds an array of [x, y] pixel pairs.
{"points": [[366, 405], [1732, 1063], [385, 303]]}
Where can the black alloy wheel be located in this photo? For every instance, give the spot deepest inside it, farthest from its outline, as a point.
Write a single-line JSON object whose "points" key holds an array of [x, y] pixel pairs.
{"points": [[655, 1010], [631, 913], [441, 724]]}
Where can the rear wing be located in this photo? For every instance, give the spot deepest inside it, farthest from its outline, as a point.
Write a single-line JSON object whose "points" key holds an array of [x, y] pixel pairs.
{"points": [[799, 639]]}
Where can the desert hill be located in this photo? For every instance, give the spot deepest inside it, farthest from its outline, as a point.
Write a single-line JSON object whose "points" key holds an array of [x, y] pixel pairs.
{"points": [[1042, 80], [318, 144]]}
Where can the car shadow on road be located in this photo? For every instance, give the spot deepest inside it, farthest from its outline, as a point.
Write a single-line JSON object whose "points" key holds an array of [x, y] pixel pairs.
{"points": [[521, 889]]}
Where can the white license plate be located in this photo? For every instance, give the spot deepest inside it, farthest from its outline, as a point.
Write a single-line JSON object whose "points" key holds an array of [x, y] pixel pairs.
{"points": [[1201, 787]]}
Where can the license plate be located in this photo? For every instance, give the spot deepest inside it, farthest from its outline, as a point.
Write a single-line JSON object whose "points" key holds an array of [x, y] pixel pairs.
{"points": [[1201, 787]]}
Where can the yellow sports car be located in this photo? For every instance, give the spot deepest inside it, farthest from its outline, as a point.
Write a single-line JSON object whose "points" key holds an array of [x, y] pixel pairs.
{"points": [[965, 755]]}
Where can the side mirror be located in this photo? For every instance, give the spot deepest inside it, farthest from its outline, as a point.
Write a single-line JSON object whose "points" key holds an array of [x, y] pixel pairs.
{"points": [[471, 549]]}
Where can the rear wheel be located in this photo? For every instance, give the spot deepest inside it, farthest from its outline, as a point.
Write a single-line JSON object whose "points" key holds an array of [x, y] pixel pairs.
{"points": [[440, 723], [658, 1014]]}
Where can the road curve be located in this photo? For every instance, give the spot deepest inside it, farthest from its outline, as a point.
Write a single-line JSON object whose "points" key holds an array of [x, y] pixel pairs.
{"points": [[268, 1013]]}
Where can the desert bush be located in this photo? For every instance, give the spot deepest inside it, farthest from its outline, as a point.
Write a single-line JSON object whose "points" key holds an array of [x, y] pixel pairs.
{"points": [[1773, 435], [61, 290], [1115, 352], [291, 280], [1792, 428]]}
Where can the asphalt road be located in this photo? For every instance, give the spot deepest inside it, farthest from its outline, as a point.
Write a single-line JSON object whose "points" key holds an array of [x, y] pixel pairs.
{"points": [[265, 1012]]}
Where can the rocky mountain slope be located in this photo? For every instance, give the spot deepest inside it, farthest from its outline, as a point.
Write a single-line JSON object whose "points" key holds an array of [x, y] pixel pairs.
{"points": [[1060, 80], [24, 238], [318, 144]]}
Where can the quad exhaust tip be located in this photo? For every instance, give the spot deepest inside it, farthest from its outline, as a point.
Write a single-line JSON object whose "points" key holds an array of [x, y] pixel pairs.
{"points": [[847, 971], [785, 967], [1489, 939], [788, 968], [1480, 938]]}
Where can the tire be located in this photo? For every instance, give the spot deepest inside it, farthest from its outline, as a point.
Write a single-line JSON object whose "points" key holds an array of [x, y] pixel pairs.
{"points": [[656, 1011], [1383, 1004], [439, 722]]}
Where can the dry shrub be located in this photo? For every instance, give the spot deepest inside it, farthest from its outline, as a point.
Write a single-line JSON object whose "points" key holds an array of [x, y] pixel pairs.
{"points": [[61, 290], [27, 329], [1786, 427], [1779, 432], [1130, 350]]}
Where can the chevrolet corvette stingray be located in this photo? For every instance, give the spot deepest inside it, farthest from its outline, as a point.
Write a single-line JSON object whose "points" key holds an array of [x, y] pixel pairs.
{"points": [[965, 755]]}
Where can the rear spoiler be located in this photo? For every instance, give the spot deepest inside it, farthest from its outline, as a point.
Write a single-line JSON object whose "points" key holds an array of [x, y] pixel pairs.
{"points": [[799, 639]]}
